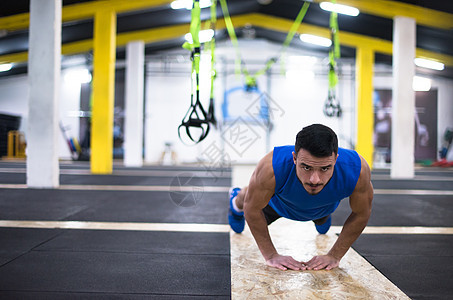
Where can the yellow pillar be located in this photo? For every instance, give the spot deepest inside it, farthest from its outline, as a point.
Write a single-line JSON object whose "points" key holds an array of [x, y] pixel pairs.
{"points": [[103, 91], [365, 113]]}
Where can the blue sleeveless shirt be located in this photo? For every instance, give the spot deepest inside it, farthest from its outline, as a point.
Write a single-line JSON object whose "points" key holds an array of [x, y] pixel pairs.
{"points": [[292, 201]]}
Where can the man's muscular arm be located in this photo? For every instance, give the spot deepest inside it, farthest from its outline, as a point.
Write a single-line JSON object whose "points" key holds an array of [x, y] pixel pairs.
{"points": [[259, 192], [360, 202]]}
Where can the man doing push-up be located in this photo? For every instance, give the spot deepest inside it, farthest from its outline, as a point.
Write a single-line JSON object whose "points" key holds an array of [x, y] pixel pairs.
{"points": [[305, 182]]}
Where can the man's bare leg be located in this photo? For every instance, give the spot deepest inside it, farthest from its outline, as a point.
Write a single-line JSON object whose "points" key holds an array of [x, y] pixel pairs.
{"points": [[239, 203]]}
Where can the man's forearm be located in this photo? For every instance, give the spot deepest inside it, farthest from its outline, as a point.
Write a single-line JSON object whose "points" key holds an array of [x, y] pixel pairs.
{"points": [[352, 229], [258, 226]]}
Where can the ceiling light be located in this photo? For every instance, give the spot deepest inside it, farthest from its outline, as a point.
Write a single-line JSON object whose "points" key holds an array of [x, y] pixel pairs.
{"points": [[5, 67], [77, 76], [341, 9], [203, 35], [188, 4], [316, 40], [421, 84], [430, 64]]}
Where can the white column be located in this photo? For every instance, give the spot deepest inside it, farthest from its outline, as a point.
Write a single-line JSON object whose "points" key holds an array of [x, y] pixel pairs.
{"points": [[133, 133], [150, 145], [403, 103], [44, 81]]}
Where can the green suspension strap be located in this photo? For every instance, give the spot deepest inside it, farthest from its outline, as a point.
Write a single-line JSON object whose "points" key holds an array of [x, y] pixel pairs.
{"points": [[196, 116], [293, 30], [232, 34], [332, 107], [289, 37], [250, 80], [213, 22]]}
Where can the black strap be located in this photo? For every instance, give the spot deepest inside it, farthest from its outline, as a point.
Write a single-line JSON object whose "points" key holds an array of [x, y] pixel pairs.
{"points": [[211, 115], [332, 107], [195, 117]]}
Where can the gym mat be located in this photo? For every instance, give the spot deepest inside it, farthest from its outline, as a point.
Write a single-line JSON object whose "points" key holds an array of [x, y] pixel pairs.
{"points": [[113, 206], [403, 210], [106, 272], [420, 265], [185, 177], [157, 242], [439, 184]]}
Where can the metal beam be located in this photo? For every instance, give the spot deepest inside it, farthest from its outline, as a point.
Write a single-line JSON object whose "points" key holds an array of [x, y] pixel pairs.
{"points": [[391, 9], [346, 38], [154, 35], [381, 8], [84, 11], [255, 19]]}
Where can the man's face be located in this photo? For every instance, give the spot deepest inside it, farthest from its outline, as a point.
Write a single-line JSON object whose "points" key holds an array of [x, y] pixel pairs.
{"points": [[314, 172]]}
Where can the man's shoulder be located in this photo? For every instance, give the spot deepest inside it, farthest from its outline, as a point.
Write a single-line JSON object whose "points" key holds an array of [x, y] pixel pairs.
{"points": [[348, 156], [284, 148], [282, 153], [264, 172], [282, 163], [347, 171]]}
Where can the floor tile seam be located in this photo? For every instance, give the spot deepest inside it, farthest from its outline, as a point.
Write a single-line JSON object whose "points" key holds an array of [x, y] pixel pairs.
{"points": [[139, 173], [139, 222], [206, 189], [66, 186], [384, 189], [121, 188], [440, 179], [411, 226], [114, 293], [154, 176], [409, 187], [417, 171], [405, 230], [112, 226], [8, 164], [123, 172], [413, 192], [167, 227], [402, 255], [406, 227], [407, 234], [131, 252], [120, 230], [22, 253], [31, 249], [429, 295]]}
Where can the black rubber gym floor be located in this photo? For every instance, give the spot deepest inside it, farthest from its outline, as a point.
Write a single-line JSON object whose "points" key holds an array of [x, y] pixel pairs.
{"points": [[127, 264], [106, 264], [421, 265]]}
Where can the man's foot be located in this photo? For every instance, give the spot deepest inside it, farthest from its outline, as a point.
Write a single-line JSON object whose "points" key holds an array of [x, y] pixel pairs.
{"points": [[323, 228], [235, 218]]}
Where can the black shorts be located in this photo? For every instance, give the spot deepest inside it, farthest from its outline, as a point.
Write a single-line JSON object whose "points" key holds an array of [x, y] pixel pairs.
{"points": [[271, 215]]}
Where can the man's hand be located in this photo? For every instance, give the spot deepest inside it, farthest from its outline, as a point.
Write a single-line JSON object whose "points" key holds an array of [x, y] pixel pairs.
{"points": [[284, 262], [320, 262]]}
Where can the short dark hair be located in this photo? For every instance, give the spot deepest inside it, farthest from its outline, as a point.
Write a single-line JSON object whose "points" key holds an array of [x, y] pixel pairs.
{"points": [[318, 139]]}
